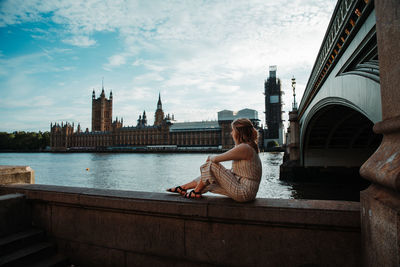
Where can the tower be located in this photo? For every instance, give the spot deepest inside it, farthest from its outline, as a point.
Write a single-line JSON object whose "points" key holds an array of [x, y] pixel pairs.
{"points": [[142, 121], [101, 111], [159, 115], [144, 118], [273, 107]]}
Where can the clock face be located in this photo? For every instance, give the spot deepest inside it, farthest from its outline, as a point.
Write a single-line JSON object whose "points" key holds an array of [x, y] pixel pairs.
{"points": [[274, 99]]}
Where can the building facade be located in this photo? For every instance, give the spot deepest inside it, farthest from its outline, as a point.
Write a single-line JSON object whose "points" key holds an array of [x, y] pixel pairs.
{"points": [[165, 134], [273, 109]]}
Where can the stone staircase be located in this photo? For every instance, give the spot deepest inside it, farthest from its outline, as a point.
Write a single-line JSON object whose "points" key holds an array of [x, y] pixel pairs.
{"points": [[20, 243]]}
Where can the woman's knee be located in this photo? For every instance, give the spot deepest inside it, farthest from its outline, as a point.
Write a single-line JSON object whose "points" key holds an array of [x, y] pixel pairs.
{"points": [[207, 163], [217, 167]]}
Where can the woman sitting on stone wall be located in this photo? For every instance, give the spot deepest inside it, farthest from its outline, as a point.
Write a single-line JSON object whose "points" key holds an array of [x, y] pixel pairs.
{"points": [[242, 181]]}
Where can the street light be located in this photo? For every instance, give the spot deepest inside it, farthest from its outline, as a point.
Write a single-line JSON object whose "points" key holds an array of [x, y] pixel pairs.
{"points": [[294, 106]]}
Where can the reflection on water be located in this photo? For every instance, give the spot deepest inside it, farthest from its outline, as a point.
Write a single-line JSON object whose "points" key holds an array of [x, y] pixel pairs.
{"points": [[156, 172]]}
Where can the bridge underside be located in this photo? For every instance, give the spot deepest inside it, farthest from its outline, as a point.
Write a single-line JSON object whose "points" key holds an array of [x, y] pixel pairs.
{"points": [[339, 136]]}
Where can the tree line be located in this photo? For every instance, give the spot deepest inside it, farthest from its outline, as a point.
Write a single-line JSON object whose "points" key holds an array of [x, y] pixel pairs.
{"points": [[24, 141]]}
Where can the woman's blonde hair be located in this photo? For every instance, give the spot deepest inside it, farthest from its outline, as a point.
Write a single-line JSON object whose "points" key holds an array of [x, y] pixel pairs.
{"points": [[246, 133]]}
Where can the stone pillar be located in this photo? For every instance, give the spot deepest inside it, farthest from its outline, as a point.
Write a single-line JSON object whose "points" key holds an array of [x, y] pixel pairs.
{"points": [[380, 203], [294, 145]]}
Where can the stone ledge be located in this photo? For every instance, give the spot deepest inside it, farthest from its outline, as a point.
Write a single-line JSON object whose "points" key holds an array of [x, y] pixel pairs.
{"points": [[16, 175], [284, 212]]}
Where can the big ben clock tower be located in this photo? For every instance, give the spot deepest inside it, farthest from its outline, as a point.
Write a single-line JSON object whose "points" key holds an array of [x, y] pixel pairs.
{"points": [[273, 107]]}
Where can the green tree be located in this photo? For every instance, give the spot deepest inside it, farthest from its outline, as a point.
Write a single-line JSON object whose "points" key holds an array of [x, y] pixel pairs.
{"points": [[24, 141]]}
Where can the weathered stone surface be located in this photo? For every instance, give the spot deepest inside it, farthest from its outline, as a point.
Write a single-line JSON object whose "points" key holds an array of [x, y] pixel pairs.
{"points": [[16, 175], [380, 217], [42, 216], [14, 213], [119, 230], [317, 213], [380, 203], [90, 254], [136, 259], [383, 167], [388, 36], [166, 229], [254, 245]]}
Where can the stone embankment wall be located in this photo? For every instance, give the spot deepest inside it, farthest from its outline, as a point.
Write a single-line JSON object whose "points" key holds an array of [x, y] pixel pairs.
{"points": [[96, 227]]}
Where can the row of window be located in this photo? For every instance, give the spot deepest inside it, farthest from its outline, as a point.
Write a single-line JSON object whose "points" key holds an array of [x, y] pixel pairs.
{"points": [[182, 138]]}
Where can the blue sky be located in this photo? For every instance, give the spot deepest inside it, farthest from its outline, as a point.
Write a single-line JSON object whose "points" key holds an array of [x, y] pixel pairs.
{"points": [[202, 56]]}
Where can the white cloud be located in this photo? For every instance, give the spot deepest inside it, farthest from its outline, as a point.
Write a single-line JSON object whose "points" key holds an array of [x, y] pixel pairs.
{"points": [[80, 40], [145, 78], [116, 60], [203, 55]]}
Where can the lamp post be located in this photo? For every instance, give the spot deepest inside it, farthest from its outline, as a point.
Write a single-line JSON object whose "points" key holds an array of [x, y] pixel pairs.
{"points": [[294, 106]]}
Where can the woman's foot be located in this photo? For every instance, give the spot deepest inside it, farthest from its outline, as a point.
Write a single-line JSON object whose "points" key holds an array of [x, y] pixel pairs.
{"points": [[193, 194], [178, 189]]}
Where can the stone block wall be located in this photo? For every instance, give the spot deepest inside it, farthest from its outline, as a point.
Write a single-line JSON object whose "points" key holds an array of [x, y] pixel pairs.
{"points": [[124, 228], [16, 175]]}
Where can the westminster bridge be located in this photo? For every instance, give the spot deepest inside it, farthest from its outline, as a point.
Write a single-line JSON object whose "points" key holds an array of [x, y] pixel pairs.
{"points": [[342, 100], [348, 121]]}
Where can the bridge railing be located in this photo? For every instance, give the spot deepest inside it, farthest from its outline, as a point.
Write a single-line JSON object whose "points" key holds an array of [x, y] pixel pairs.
{"points": [[344, 24]]}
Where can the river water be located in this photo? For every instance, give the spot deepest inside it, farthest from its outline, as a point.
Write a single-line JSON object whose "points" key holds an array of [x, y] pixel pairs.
{"points": [[154, 172]]}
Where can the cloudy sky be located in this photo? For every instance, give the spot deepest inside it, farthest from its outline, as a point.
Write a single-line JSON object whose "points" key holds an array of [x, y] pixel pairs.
{"points": [[202, 56]]}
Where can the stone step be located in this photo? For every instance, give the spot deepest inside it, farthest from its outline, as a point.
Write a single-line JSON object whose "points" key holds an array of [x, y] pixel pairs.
{"points": [[57, 260], [14, 213], [28, 255], [18, 240]]}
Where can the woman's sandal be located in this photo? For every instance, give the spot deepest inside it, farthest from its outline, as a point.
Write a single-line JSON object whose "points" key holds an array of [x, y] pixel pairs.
{"points": [[178, 190], [197, 195]]}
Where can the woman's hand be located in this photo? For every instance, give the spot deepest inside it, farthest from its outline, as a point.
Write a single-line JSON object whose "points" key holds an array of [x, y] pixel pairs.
{"points": [[212, 159]]}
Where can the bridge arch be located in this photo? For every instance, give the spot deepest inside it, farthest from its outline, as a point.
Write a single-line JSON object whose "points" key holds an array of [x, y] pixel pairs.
{"points": [[336, 132]]}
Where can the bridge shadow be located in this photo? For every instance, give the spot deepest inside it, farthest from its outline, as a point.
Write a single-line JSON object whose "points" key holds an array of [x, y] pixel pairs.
{"points": [[337, 141], [339, 136]]}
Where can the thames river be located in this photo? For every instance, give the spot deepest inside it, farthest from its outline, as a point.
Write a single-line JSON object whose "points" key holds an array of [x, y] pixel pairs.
{"points": [[156, 172]]}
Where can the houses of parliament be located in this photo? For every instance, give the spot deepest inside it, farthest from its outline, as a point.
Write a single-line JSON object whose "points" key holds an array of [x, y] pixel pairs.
{"points": [[165, 134]]}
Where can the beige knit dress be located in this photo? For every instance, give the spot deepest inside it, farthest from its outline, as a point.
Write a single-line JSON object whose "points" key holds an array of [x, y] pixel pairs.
{"points": [[239, 183]]}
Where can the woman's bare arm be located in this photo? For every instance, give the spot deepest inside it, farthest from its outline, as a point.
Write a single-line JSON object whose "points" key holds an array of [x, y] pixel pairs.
{"points": [[239, 152]]}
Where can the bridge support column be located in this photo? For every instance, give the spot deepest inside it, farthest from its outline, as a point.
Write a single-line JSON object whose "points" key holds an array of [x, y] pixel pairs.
{"points": [[290, 169], [294, 147], [380, 203]]}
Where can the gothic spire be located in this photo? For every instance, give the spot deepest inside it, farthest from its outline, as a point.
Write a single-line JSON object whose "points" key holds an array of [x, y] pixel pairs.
{"points": [[102, 87], [159, 105]]}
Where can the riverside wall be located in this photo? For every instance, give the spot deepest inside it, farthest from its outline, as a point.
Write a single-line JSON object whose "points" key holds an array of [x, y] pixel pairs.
{"points": [[96, 227]]}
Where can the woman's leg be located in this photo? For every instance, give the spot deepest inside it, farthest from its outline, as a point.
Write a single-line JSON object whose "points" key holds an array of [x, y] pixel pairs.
{"points": [[184, 187], [228, 183], [190, 185]]}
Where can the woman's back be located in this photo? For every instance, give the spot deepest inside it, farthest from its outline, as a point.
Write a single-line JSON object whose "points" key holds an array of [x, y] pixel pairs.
{"points": [[250, 169]]}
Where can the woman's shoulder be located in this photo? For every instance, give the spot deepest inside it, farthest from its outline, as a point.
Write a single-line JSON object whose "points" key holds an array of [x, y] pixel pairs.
{"points": [[248, 149], [243, 146]]}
